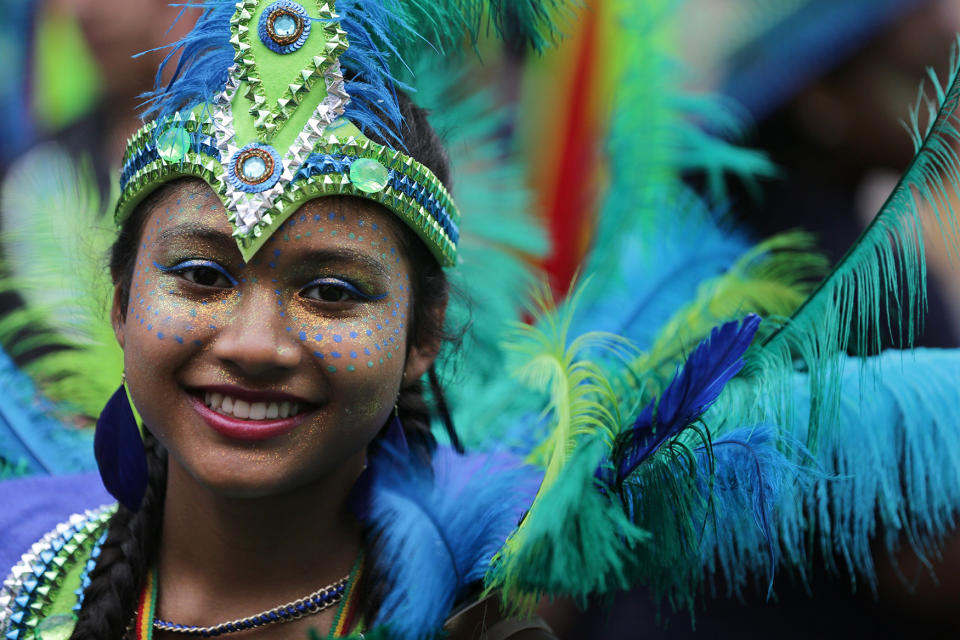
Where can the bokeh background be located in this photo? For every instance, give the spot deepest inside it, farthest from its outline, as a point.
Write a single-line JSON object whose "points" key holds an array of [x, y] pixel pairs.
{"points": [[819, 85]]}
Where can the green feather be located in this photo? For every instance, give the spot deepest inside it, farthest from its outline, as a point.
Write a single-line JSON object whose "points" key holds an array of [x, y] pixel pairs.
{"points": [[499, 242], [879, 286], [55, 243]]}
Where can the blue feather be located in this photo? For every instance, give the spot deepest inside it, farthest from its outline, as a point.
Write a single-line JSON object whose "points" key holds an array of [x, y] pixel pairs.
{"points": [[743, 476], [118, 449], [32, 441], [655, 273], [691, 392], [206, 56], [438, 531]]}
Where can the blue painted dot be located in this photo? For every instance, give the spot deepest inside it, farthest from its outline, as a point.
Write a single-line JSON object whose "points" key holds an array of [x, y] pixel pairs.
{"points": [[331, 216], [353, 334], [366, 351], [179, 339], [318, 337], [353, 354], [369, 333], [337, 338], [318, 354], [160, 334], [197, 342], [334, 354], [302, 335], [149, 327]]}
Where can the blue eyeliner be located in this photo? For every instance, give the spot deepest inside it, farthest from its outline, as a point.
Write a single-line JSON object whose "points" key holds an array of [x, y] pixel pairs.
{"points": [[196, 264], [344, 285]]}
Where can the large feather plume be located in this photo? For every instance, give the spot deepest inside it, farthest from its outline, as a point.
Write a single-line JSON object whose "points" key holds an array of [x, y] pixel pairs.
{"points": [[436, 529]]}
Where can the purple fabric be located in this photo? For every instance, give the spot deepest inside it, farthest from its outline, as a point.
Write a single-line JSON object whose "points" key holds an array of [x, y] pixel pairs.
{"points": [[32, 506]]}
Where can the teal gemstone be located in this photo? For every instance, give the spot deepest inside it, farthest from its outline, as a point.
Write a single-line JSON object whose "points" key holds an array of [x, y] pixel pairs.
{"points": [[55, 627], [369, 175], [173, 144], [253, 168], [285, 25]]}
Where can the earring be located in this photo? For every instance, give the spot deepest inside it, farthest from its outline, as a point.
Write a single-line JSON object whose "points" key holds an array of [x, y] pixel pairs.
{"points": [[118, 448]]}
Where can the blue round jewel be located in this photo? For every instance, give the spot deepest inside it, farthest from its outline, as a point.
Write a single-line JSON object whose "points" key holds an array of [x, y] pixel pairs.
{"points": [[254, 168], [284, 26]]}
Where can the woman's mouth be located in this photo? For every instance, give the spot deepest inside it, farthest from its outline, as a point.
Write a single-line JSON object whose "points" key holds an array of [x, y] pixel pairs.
{"points": [[245, 410], [248, 417]]}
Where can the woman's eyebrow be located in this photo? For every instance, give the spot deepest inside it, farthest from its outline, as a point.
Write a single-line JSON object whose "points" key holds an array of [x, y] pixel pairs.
{"points": [[195, 232], [341, 255]]}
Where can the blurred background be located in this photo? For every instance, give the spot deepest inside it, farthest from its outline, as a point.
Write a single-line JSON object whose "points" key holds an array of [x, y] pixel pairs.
{"points": [[822, 86]]}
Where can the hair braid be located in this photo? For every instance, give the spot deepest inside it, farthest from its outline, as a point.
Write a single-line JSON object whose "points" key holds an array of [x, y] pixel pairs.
{"points": [[111, 597]]}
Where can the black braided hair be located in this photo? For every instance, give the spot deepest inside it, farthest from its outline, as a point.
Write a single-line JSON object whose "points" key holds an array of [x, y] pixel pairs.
{"points": [[132, 540], [125, 556]]}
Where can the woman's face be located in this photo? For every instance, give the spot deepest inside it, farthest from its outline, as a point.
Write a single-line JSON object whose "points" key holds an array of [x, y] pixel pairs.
{"points": [[265, 376]]}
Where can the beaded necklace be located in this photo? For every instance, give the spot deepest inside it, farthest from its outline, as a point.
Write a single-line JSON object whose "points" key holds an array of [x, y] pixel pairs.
{"points": [[340, 592]]}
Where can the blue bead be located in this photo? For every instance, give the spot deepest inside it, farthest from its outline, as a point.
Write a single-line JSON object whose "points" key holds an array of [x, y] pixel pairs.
{"points": [[301, 608], [273, 616]]}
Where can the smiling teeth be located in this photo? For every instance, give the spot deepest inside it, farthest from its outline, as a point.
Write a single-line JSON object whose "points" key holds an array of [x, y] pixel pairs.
{"points": [[249, 410]]}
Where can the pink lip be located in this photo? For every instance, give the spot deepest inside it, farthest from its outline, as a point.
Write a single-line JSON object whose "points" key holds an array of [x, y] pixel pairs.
{"points": [[240, 429]]}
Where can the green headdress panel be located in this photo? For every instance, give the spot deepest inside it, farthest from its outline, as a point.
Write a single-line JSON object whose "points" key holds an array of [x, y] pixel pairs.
{"points": [[283, 127]]}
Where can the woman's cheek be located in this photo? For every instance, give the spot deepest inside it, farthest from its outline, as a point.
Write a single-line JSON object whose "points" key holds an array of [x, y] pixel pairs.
{"points": [[158, 308], [367, 343]]}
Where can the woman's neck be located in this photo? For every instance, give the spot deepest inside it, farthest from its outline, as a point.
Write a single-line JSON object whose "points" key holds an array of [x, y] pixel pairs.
{"points": [[225, 557]]}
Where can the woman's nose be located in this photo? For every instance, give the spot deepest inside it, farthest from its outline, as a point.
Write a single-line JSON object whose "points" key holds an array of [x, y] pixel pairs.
{"points": [[255, 340]]}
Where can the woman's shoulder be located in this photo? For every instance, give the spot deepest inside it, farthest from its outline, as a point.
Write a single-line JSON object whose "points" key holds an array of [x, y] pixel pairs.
{"points": [[50, 528]]}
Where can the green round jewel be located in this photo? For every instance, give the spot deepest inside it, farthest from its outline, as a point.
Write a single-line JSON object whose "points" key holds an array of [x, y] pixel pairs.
{"points": [[369, 175], [173, 144], [55, 627]]}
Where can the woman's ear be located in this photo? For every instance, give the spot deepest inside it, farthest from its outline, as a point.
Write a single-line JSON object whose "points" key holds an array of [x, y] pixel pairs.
{"points": [[118, 314]]}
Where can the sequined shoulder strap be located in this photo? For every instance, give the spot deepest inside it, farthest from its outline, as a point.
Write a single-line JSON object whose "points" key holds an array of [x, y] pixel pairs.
{"points": [[45, 588]]}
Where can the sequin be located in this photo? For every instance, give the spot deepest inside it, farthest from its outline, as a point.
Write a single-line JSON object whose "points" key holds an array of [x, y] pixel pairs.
{"points": [[173, 144], [369, 175]]}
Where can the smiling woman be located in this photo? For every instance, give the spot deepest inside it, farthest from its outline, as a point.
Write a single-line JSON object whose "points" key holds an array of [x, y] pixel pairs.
{"points": [[280, 293], [264, 383]]}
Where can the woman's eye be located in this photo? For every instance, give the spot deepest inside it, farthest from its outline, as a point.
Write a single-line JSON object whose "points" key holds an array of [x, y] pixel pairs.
{"points": [[205, 276], [335, 290], [205, 273], [327, 293]]}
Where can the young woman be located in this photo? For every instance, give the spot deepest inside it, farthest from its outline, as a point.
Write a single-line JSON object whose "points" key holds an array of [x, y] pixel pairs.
{"points": [[280, 297]]}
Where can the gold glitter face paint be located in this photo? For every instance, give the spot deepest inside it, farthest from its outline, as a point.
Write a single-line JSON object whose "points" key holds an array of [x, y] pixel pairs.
{"points": [[317, 320]]}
